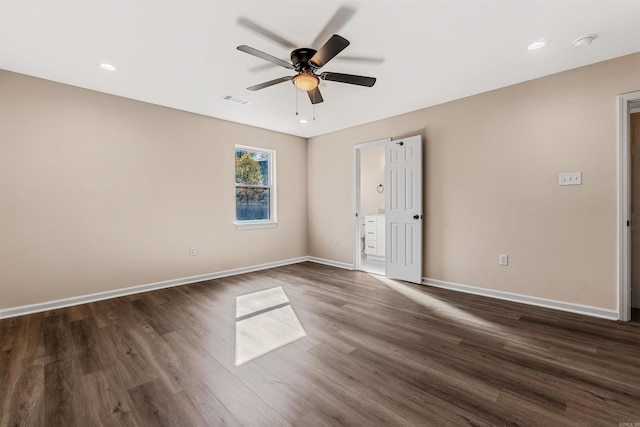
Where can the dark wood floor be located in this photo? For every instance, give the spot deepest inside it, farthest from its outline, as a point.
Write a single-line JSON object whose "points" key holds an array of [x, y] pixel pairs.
{"points": [[371, 357]]}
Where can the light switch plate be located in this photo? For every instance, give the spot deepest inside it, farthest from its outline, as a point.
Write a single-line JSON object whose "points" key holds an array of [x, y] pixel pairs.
{"points": [[503, 259], [570, 178]]}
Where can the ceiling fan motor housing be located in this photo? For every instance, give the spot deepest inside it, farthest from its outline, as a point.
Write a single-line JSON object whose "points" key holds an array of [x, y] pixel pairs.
{"points": [[300, 58]]}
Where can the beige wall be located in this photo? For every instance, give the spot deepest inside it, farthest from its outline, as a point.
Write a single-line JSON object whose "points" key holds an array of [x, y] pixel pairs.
{"points": [[491, 168], [99, 193], [371, 175]]}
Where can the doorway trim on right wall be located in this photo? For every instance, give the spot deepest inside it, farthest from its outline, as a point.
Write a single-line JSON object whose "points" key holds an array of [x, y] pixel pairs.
{"points": [[624, 205]]}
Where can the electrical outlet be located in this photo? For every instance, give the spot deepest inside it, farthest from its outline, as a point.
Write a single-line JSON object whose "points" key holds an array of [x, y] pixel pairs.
{"points": [[336, 241], [503, 259], [570, 178], [193, 251]]}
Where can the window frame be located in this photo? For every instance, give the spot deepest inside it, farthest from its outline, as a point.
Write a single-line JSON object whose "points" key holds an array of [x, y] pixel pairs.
{"points": [[271, 185]]}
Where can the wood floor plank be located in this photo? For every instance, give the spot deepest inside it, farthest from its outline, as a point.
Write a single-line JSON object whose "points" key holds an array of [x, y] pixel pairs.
{"points": [[87, 348], [242, 402], [209, 409], [160, 356], [153, 315], [21, 390], [57, 336], [373, 354], [129, 366], [357, 380], [23, 335], [112, 405], [157, 405], [60, 388], [282, 396]]}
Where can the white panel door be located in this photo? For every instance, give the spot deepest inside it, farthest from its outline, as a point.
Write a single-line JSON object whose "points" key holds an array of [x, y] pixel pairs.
{"points": [[403, 209]]}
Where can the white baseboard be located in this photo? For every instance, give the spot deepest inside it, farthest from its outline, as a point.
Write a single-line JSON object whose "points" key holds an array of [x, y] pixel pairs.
{"points": [[331, 263], [525, 299], [83, 299]]}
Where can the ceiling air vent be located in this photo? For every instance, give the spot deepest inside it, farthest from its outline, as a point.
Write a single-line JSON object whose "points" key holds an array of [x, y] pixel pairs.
{"points": [[236, 99]]}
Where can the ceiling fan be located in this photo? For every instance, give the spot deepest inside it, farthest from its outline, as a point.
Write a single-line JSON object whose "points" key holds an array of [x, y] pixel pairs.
{"points": [[307, 61]]}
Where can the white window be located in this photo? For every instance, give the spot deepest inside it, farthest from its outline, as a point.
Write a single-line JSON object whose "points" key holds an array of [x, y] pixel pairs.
{"points": [[255, 187]]}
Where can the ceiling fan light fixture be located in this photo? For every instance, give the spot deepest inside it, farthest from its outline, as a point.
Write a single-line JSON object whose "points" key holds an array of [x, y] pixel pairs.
{"points": [[305, 81]]}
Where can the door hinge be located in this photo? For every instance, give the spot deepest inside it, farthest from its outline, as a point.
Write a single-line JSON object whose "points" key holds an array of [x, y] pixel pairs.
{"points": [[628, 223]]}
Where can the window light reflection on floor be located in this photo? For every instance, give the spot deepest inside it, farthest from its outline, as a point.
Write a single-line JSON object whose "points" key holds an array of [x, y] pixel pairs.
{"points": [[265, 321], [452, 312]]}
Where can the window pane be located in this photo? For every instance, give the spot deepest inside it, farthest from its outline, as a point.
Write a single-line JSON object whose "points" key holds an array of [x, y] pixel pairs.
{"points": [[252, 167], [252, 203]]}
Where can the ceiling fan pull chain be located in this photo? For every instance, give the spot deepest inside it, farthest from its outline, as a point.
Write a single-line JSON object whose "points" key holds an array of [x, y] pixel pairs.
{"points": [[314, 112], [296, 92]]}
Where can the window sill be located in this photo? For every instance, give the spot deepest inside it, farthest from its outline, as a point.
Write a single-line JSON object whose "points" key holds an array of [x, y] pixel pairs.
{"points": [[252, 225]]}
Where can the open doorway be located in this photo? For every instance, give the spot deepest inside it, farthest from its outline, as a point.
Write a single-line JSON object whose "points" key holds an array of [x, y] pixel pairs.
{"points": [[388, 208], [634, 150], [369, 252], [628, 206]]}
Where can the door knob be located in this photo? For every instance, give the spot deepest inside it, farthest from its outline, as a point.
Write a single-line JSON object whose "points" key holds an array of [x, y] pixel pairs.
{"points": [[417, 216]]}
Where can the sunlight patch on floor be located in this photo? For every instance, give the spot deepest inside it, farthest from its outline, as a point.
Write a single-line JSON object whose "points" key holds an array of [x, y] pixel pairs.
{"points": [[258, 301], [449, 311], [265, 321]]}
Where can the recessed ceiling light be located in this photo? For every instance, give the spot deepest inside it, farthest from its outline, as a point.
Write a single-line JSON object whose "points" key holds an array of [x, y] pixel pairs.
{"points": [[106, 66], [304, 121], [538, 44], [584, 40]]}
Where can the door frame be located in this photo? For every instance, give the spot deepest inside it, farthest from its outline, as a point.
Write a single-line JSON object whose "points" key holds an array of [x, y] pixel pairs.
{"points": [[624, 204], [357, 148]]}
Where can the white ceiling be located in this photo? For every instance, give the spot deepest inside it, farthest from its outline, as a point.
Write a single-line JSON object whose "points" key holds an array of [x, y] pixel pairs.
{"points": [[182, 54]]}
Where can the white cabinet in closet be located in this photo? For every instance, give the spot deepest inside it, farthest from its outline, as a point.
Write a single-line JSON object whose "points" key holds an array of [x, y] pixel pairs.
{"points": [[374, 235]]}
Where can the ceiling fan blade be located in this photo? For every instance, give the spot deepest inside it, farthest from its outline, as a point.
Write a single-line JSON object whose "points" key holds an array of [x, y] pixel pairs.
{"points": [[331, 48], [266, 33], [349, 78], [315, 96], [269, 83], [260, 54], [335, 24]]}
